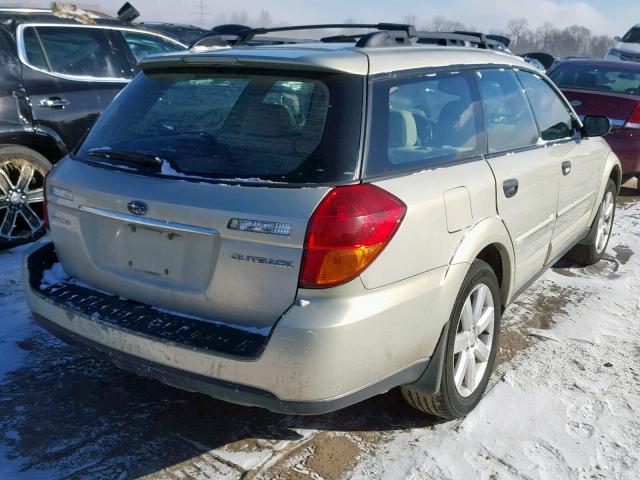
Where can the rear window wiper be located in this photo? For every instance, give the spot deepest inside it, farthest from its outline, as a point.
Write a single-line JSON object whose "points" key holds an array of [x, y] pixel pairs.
{"points": [[131, 158]]}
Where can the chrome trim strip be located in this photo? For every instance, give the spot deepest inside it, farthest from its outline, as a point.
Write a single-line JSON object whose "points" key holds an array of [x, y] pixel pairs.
{"points": [[148, 222], [22, 52]]}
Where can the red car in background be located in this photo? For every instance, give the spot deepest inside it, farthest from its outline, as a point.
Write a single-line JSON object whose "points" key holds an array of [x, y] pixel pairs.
{"points": [[610, 89]]}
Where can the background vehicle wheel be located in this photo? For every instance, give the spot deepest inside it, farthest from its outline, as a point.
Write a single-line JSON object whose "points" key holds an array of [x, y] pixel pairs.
{"points": [[592, 249], [471, 346], [22, 173]]}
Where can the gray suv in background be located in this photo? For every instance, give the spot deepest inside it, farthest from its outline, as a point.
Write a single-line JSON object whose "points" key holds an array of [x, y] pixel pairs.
{"points": [[301, 227]]}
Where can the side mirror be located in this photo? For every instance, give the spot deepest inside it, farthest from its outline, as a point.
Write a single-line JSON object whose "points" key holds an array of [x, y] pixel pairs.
{"points": [[617, 39], [596, 126]]}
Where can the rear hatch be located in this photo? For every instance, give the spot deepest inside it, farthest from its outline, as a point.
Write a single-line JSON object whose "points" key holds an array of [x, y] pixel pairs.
{"points": [[193, 191]]}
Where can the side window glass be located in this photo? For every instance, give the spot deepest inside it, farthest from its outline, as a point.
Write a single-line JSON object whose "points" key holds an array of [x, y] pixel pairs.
{"points": [[34, 50], [76, 51], [508, 117], [553, 117], [424, 121], [144, 44]]}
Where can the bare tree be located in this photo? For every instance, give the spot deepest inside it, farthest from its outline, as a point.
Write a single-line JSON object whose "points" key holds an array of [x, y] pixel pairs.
{"points": [[264, 19], [517, 29], [410, 19]]}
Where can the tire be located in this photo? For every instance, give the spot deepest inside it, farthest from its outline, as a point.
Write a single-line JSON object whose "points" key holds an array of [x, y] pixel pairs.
{"points": [[591, 249], [22, 173], [457, 396]]}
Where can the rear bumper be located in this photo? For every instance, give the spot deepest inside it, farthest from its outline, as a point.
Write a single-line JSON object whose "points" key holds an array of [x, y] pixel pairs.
{"points": [[328, 354]]}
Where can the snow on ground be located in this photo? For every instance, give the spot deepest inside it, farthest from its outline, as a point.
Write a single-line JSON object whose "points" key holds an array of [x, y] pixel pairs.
{"points": [[567, 407], [564, 402]]}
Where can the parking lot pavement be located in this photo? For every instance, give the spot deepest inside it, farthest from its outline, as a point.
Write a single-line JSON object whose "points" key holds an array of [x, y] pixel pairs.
{"points": [[563, 403]]}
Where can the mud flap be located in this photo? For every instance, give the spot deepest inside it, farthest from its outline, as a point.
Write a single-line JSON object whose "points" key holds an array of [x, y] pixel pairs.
{"points": [[429, 381]]}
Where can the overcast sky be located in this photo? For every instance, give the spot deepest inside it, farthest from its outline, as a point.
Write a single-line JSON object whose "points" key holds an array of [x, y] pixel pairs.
{"points": [[611, 17]]}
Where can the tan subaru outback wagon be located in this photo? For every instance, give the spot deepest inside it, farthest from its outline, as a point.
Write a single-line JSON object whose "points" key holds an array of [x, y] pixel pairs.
{"points": [[303, 226]]}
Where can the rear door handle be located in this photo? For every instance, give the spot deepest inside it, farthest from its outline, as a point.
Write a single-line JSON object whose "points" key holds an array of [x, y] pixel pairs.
{"points": [[566, 167], [510, 187], [54, 102]]}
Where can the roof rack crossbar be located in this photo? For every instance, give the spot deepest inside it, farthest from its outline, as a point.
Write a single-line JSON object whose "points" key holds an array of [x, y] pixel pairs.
{"points": [[408, 29]]}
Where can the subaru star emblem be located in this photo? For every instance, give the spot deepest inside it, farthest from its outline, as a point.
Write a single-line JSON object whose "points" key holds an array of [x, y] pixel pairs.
{"points": [[137, 207], [576, 103]]}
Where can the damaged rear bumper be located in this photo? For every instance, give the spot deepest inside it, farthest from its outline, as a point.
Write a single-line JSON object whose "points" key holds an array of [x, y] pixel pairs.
{"points": [[321, 356]]}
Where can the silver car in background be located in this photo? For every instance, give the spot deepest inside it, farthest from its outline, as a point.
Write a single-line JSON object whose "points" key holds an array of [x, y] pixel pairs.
{"points": [[301, 227]]}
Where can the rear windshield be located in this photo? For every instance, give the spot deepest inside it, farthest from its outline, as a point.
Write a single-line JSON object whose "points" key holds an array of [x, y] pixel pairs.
{"points": [[616, 78], [237, 125]]}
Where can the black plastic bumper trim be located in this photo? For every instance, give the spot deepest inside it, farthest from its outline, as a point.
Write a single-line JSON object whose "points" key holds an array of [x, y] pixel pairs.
{"points": [[225, 390], [143, 320]]}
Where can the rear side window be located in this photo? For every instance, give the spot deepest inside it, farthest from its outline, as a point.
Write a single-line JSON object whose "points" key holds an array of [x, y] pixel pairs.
{"points": [[76, 51], [240, 125], [619, 77], [144, 44], [550, 111], [508, 117], [424, 121]]}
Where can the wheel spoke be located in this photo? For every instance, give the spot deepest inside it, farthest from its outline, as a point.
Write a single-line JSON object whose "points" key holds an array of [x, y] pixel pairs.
{"points": [[461, 369], [26, 175], [460, 342], [35, 196], [5, 183], [9, 221], [599, 240], [470, 375], [608, 211], [467, 315], [485, 320], [478, 302], [32, 219], [482, 352]]}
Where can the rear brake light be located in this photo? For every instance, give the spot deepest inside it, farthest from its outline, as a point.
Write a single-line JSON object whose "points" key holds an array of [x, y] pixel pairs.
{"points": [[634, 120], [45, 206], [348, 230]]}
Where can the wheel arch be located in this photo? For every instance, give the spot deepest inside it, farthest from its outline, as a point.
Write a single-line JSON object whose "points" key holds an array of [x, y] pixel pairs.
{"points": [[490, 242], [48, 144]]}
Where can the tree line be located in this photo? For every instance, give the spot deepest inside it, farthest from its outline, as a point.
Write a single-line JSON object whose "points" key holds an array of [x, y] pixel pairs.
{"points": [[573, 41]]}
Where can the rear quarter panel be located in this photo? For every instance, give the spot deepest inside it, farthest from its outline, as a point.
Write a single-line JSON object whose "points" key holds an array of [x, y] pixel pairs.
{"points": [[430, 237]]}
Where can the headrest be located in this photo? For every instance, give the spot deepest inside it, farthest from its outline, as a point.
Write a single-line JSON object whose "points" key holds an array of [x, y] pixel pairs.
{"points": [[402, 129]]}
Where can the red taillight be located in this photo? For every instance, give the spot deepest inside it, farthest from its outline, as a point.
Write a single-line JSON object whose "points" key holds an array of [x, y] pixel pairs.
{"points": [[634, 120], [45, 207], [347, 231]]}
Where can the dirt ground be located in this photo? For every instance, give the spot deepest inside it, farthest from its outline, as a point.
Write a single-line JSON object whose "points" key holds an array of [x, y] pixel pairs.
{"points": [[66, 415]]}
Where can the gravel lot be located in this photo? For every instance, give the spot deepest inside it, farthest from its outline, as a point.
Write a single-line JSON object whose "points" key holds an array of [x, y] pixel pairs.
{"points": [[564, 401]]}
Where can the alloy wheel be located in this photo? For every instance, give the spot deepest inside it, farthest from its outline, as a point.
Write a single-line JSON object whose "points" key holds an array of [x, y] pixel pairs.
{"points": [[473, 341], [605, 221], [21, 200]]}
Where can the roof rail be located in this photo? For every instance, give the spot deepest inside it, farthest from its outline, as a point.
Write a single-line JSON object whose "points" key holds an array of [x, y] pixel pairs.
{"points": [[464, 39]]}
